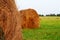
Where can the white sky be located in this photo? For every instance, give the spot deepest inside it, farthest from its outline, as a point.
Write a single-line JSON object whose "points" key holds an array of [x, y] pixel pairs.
{"points": [[41, 6]]}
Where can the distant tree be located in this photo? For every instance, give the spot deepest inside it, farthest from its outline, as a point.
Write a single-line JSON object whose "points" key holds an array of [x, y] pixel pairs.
{"points": [[41, 15], [47, 15], [50, 15], [58, 14]]}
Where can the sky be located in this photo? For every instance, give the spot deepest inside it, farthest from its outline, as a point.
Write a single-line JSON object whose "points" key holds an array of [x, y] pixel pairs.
{"points": [[41, 6]]}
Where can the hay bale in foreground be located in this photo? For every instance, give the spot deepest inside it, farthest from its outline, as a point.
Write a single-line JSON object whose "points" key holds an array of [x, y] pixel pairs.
{"points": [[1, 34], [30, 18], [10, 20]]}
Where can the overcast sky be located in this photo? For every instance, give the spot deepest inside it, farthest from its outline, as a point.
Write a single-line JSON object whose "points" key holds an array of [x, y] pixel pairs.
{"points": [[41, 6]]}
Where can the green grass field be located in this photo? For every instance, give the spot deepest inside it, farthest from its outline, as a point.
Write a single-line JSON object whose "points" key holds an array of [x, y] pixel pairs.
{"points": [[49, 30]]}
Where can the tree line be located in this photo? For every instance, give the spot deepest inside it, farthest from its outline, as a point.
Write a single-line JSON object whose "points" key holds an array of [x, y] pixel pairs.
{"points": [[50, 15]]}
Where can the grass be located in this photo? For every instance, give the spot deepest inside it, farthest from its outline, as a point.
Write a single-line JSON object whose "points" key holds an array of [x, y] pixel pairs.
{"points": [[49, 30]]}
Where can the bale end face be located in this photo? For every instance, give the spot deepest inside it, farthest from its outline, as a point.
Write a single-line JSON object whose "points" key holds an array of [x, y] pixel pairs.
{"points": [[30, 18]]}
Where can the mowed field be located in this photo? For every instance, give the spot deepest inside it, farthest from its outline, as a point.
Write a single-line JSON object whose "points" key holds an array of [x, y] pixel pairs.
{"points": [[49, 29]]}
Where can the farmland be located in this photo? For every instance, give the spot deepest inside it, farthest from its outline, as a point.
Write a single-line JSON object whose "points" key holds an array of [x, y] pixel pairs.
{"points": [[49, 29]]}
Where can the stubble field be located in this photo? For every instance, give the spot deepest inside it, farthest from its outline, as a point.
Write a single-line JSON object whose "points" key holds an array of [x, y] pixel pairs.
{"points": [[49, 29]]}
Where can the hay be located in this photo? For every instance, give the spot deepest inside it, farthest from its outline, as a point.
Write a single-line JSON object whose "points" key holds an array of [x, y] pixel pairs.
{"points": [[30, 18], [9, 20], [1, 34]]}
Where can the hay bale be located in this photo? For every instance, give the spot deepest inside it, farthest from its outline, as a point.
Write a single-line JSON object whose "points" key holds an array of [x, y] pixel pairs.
{"points": [[9, 20], [1, 34], [30, 18]]}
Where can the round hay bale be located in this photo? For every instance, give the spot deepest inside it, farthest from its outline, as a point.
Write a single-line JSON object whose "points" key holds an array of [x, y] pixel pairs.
{"points": [[10, 20], [1, 34], [30, 18]]}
